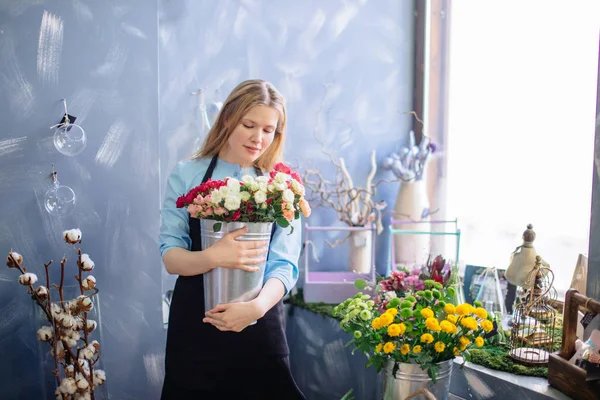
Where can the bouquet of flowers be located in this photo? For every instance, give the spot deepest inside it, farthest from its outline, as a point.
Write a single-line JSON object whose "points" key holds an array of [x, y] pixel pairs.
{"points": [[424, 328], [69, 328], [278, 198], [405, 280]]}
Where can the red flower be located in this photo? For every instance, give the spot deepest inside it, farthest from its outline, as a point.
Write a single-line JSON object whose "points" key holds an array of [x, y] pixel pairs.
{"points": [[236, 215], [281, 167], [296, 176]]}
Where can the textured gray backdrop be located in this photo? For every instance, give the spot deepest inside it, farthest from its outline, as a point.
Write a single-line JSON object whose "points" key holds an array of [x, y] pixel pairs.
{"points": [[127, 69]]}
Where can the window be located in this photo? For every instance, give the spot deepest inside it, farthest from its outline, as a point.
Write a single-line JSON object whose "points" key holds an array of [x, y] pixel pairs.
{"points": [[522, 107]]}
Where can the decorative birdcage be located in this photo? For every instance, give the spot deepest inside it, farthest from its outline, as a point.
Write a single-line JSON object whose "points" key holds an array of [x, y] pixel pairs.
{"points": [[533, 334]]}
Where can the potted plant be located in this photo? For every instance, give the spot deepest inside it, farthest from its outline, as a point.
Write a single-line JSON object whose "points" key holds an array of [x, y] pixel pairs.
{"points": [[414, 338]]}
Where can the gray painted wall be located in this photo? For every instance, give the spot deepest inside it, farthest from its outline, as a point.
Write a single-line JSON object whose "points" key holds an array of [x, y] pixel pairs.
{"points": [[344, 67], [101, 57]]}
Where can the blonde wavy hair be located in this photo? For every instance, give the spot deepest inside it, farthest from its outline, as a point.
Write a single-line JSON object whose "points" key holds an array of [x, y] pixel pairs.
{"points": [[244, 96]]}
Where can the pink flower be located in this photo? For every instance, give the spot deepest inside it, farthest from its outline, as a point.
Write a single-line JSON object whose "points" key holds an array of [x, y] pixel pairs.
{"points": [[288, 214], [220, 210], [199, 199], [305, 208], [194, 209], [208, 211]]}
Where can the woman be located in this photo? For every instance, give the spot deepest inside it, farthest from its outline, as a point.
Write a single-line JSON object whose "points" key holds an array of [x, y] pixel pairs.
{"points": [[218, 354]]}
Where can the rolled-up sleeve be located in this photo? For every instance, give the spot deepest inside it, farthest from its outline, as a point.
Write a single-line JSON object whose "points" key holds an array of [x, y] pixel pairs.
{"points": [[282, 261], [174, 226]]}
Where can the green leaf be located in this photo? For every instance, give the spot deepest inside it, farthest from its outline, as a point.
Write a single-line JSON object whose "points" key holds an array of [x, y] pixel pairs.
{"points": [[282, 222], [217, 227]]}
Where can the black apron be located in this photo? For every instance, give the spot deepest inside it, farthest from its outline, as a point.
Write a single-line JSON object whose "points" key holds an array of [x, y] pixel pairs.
{"points": [[202, 362]]}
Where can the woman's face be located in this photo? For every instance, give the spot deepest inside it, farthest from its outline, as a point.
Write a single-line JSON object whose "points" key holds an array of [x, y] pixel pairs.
{"points": [[251, 137]]}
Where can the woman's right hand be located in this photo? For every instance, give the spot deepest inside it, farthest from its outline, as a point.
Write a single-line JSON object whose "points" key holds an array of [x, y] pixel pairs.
{"points": [[228, 252]]}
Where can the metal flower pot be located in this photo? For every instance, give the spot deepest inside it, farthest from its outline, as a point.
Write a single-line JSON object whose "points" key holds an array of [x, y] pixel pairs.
{"points": [[226, 285], [410, 380]]}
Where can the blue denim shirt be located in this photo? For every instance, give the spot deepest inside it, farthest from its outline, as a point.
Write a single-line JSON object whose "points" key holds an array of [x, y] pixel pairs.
{"points": [[282, 260]]}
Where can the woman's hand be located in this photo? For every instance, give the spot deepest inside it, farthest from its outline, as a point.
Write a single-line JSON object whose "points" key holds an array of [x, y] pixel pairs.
{"points": [[234, 316], [231, 253]]}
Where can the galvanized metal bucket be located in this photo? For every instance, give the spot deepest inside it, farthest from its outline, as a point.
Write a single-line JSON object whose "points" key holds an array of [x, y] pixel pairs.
{"points": [[410, 380], [226, 285]]}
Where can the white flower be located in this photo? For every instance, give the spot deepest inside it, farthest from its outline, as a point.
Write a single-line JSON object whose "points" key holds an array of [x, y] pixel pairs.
{"points": [[248, 180], [89, 282], [72, 236], [232, 202], [45, 333], [28, 279], [279, 186], [81, 382], [68, 386], [216, 196], [245, 196], [86, 263], [15, 256], [262, 182], [224, 190], [270, 188], [390, 295], [288, 196], [297, 187], [260, 197], [263, 206], [280, 177], [233, 185], [99, 377], [42, 291], [91, 325]]}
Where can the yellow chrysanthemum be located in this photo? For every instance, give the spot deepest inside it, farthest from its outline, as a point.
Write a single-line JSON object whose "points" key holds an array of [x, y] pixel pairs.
{"points": [[487, 325], [469, 323], [452, 318], [439, 347], [432, 324], [376, 323], [464, 342], [427, 313], [449, 308], [386, 319], [479, 341], [447, 326], [464, 309], [417, 349], [392, 311], [480, 312], [395, 330], [456, 351], [405, 349], [378, 348], [389, 347], [426, 338]]}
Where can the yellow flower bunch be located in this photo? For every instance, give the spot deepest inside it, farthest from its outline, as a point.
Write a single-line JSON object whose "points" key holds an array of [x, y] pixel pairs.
{"points": [[423, 327]]}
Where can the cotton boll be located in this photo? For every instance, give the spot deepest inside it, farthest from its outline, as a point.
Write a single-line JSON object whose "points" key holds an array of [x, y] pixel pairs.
{"points": [[96, 345], [91, 325], [84, 303], [72, 236], [68, 386], [68, 321], [42, 292], [45, 333], [81, 382], [99, 377], [89, 283], [86, 263], [70, 370], [16, 257], [28, 279]]}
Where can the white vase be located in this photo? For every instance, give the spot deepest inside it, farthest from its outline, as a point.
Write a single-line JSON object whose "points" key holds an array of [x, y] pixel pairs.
{"points": [[361, 248], [411, 202]]}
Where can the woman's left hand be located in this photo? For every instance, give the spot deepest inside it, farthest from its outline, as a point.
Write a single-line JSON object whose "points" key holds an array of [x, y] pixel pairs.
{"points": [[234, 316]]}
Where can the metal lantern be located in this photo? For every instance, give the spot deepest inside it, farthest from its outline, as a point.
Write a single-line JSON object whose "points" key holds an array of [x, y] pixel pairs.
{"points": [[533, 334]]}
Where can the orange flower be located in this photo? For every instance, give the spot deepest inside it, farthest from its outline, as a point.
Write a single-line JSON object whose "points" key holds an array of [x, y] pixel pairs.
{"points": [[305, 208], [288, 214]]}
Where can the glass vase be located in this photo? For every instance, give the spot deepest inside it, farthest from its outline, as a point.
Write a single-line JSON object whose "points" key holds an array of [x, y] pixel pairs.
{"points": [[74, 345]]}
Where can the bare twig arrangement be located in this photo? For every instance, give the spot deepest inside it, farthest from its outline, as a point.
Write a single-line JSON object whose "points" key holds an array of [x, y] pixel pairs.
{"points": [[68, 333]]}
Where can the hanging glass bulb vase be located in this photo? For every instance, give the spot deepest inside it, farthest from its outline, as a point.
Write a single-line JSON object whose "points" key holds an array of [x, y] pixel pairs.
{"points": [[59, 200], [69, 138]]}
